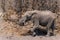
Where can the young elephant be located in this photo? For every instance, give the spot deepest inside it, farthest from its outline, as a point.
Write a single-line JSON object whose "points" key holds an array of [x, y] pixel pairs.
{"points": [[43, 18]]}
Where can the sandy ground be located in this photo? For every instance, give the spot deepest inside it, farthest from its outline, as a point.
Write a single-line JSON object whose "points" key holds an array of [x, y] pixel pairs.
{"points": [[9, 37], [10, 32], [57, 37]]}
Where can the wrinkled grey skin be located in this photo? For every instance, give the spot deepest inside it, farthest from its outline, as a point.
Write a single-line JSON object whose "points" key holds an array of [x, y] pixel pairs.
{"points": [[43, 18]]}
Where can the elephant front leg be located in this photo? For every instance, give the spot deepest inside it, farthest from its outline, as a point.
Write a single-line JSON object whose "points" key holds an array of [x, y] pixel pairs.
{"points": [[35, 25], [33, 32], [48, 27]]}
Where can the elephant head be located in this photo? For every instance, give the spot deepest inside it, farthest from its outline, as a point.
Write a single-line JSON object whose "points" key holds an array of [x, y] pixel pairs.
{"points": [[27, 17]]}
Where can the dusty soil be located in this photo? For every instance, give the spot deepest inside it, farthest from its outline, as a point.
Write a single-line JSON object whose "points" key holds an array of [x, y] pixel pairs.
{"points": [[57, 37], [12, 31]]}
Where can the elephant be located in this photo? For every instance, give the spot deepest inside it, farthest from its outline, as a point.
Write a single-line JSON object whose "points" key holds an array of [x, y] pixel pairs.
{"points": [[43, 18]]}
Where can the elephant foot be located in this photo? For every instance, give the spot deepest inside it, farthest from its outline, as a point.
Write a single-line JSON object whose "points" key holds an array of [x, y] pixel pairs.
{"points": [[52, 34], [33, 34], [47, 35]]}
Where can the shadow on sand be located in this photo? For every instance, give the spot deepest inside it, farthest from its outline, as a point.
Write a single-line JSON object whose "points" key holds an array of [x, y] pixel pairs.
{"points": [[40, 32]]}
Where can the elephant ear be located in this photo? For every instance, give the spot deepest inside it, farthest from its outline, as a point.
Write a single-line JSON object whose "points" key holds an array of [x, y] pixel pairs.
{"points": [[33, 14]]}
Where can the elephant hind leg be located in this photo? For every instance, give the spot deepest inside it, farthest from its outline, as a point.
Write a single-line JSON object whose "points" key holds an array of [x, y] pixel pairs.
{"points": [[48, 26], [53, 27]]}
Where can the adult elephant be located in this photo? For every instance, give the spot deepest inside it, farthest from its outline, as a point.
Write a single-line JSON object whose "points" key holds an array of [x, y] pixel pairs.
{"points": [[43, 18]]}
